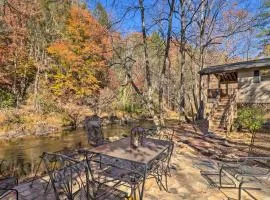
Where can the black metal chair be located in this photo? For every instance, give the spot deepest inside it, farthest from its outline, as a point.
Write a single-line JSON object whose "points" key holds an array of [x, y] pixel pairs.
{"points": [[92, 125], [164, 134], [67, 176], [68, 152], [7, 182], [73, 180], [161, 132], [7, 187], [246, 171], [160, 168], [115, 172]]}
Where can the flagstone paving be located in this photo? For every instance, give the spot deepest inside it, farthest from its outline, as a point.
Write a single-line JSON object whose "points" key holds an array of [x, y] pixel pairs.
{"points": [[194, 152]]}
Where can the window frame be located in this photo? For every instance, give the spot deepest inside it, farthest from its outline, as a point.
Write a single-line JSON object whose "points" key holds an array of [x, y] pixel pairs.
{"points": [[256, 76]]}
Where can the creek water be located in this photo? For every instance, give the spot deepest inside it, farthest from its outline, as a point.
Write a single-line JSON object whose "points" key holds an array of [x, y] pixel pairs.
{"points": [[22, 156]]}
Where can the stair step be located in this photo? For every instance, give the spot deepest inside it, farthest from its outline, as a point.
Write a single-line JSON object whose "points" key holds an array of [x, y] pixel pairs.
{"points": [[219, 111], [218, 125], [223, 104], [218, 119], [217, 128], [217, 131]]}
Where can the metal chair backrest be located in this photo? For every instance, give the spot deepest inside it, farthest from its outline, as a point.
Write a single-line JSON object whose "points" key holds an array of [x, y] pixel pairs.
{"points": [[102, 184], [167, 133], [162, 132], [92, 126], [68, 176], [3, 168]]}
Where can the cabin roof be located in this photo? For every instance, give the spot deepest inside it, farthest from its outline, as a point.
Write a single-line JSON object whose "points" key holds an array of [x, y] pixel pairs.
{"points": [[232, 67]]}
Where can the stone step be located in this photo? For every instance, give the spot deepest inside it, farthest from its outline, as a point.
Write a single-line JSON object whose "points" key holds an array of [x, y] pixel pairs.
{"points": [[218, 118], [223, 104], [217, 129], [217, 125], [219, 110]]}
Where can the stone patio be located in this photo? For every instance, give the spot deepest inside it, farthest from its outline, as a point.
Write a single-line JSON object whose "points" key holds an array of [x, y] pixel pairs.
{"points": [[194, 152]]}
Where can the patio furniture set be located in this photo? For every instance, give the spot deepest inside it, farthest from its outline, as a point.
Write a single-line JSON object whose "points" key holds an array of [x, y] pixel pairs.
{"points": [[109, 171], [119, 169], [244, 174]]}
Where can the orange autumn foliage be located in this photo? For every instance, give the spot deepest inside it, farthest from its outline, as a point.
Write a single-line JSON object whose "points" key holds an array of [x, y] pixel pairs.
{"points": [[81, 56]]}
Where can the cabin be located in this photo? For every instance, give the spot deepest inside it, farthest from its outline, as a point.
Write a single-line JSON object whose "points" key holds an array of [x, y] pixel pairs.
{"points": [[229, 86]]}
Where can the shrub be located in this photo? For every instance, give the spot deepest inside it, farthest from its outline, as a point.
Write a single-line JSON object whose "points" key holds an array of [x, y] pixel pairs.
{"points": [[252, 119], [7, 99]]}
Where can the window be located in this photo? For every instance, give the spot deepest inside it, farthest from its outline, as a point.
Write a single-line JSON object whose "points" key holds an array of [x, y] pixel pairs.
{"points": [[265, 75], [256, 76]]}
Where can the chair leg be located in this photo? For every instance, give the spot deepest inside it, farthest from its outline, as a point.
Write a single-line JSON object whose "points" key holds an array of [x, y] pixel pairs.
{"points": [[134, 195], [240, 189], [220, 177], [36, 172], [166, 180]]}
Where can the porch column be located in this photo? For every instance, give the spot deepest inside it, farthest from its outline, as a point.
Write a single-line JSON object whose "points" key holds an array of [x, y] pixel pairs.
{"points": [[219, 86], [208, 86], [201, 103]]}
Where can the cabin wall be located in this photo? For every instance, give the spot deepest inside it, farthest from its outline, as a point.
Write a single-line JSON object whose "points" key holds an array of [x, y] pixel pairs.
{"points": [[213, 82], [249, 92]]}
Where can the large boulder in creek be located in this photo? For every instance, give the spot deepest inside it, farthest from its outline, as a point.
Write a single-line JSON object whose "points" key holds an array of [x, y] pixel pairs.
{"points": [[92, 125]]}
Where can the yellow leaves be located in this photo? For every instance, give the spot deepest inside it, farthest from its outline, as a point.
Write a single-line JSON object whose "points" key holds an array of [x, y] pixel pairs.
{"points": [[82, 24], [266, 50], [81, 56], [63, 51]]}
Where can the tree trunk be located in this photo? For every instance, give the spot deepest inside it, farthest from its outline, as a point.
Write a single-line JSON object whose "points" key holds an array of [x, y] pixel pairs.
{"points": [[149, 100], [182, 51], [164, 65], [201, 59]]}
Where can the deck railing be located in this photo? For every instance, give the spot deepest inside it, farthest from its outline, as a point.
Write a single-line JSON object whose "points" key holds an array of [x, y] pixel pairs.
{"points": [[214, 93]]}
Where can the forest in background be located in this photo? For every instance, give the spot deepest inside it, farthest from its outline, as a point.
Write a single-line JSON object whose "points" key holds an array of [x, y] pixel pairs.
{"points": [[61, 60]]}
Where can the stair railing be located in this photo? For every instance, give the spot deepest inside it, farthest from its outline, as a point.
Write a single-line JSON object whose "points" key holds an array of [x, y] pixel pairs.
{"points": [[214, 107], [230, 114]]}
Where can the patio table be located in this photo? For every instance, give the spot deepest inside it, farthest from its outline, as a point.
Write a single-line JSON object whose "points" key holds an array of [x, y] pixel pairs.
{"points": [[144, 156]]}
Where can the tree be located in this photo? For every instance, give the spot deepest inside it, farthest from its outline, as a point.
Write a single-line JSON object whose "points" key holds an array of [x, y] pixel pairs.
{"points": [[102, 16], [81, 57], [17, 66], [252, 119], [165, 58], [265, 27]]}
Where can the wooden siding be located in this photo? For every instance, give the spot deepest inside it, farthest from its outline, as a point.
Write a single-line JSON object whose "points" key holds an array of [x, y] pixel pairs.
{"points": [[250, 92], [213, 82]]}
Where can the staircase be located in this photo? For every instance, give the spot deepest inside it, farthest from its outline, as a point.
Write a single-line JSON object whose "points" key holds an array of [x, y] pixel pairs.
{"points": [[217, 122], [222, 114]]}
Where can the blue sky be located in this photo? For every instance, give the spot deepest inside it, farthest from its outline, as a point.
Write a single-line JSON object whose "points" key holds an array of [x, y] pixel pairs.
{"points": [[131, 22]]}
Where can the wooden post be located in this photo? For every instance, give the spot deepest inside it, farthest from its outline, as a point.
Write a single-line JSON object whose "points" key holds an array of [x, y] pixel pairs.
{"points": [[227, 88], [219, 86], [208, 83], [201, 109]]}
